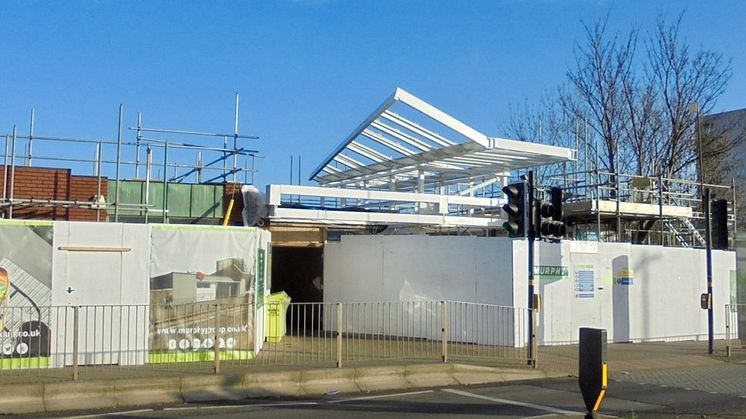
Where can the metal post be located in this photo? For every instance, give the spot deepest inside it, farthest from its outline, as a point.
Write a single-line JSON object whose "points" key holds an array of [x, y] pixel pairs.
{"points": [[5, 168], [216, 344], [708, 237], [225, 159], [531, 239], [727, 330], [235, 142], [735, 210], [444, 329], [137, 146], [165, 181], [148, 164], [618, 205], [119, 158], [660, 205], [30, 139], [199, 167], [253, 167], [598, 205], [98, 180], [585, 141], [76, 332], [12, 172], [339, 335]]}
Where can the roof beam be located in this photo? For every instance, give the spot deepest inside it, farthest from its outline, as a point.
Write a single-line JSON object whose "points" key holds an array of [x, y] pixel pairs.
{"points": [[404, 122], [401, 136], [360, 128], [349, 161], [388, 143], [366, 152], [440, 116]]}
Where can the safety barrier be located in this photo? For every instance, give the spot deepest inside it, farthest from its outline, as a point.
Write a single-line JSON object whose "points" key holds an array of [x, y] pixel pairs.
{"points": [[67, 341]]}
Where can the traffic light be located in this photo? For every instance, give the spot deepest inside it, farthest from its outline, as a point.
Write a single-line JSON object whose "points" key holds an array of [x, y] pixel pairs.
{"points": [[719, 220], [558, 216], [515, 209], [549, 223]]}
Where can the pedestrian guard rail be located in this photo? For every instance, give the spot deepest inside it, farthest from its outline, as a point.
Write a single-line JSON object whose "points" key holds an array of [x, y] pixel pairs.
{"points": [[70, 341], [735, 322]]}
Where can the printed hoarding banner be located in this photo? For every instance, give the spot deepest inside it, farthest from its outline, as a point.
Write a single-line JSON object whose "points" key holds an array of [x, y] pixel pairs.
{"points": [[202, 290], [25, 294]]}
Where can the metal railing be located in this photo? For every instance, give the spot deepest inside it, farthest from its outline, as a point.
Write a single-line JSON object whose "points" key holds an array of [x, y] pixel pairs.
{"points": [[679, 213], [70, 341], [362, 206], [402, 330], [735, 319]]}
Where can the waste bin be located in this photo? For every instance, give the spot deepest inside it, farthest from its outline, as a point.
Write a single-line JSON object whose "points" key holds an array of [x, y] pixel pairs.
{"points": [[277, 307]]}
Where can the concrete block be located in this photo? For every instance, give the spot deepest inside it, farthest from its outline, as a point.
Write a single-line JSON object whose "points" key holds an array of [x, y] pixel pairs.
{"points": [[475, 374], [322, 381], [199, 388], [144, 391], [430, 375], [381, 378], [22, 399], [280, 383], [97, 394]]}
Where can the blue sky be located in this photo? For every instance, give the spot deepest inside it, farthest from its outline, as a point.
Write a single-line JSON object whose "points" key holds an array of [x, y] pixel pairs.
{"points": [[308, 71]]}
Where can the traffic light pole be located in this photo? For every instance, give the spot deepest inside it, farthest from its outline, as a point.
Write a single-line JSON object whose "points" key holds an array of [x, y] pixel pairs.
{"points": [[708, 237], [531, 238]]}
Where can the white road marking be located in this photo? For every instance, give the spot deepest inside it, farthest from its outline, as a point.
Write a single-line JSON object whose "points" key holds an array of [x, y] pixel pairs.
{"points": [[98, 415], [514, 402], [411, 393], [551, 415], [234, 406]]}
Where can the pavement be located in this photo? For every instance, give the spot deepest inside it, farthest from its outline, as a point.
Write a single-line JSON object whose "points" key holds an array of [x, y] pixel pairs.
{"points": [[684, 364]]}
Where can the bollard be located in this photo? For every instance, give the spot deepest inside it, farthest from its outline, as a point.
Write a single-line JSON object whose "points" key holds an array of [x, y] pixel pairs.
{"points": [[593, 373]]}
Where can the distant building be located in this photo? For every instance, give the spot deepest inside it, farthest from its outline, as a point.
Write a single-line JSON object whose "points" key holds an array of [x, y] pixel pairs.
{"points": [[718, 131]]}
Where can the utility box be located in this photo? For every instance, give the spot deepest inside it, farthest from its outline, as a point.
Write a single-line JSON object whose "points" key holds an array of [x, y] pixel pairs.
{"points": [[277, 307]]}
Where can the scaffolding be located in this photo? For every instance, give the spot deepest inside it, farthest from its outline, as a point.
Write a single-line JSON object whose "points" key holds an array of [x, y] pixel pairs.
{"points": [[614, 207], [166, 156]]}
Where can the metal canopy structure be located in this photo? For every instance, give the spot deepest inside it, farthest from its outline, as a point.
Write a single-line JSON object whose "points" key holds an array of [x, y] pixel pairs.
{"points": [[410, 145]]}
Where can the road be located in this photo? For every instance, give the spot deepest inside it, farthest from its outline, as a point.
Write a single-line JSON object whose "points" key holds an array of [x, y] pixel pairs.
{"points": [[537, 398]]}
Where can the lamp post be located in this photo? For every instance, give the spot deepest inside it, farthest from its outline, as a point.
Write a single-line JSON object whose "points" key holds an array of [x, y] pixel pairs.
{"points": [[694, 108]]}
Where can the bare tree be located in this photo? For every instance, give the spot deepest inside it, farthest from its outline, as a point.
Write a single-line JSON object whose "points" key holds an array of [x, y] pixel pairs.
{"points": [[548, 123], [638, 107], [602, 67], [682, 78]]}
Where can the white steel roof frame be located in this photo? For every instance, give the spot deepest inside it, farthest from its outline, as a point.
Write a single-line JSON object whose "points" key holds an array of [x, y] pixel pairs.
{"points": [[445, 160]]}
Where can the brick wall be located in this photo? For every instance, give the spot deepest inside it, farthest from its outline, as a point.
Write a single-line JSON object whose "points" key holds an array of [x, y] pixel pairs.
{"points": [[234, 190], [51, 184], [85, 188]]}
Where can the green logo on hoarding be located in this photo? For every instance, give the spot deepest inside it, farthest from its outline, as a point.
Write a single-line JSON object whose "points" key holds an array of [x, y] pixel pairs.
{"points": [[552, 272]]}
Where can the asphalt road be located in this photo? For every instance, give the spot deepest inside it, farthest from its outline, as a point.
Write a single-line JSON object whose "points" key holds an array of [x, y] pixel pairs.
{"points": [[537, 398]]}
